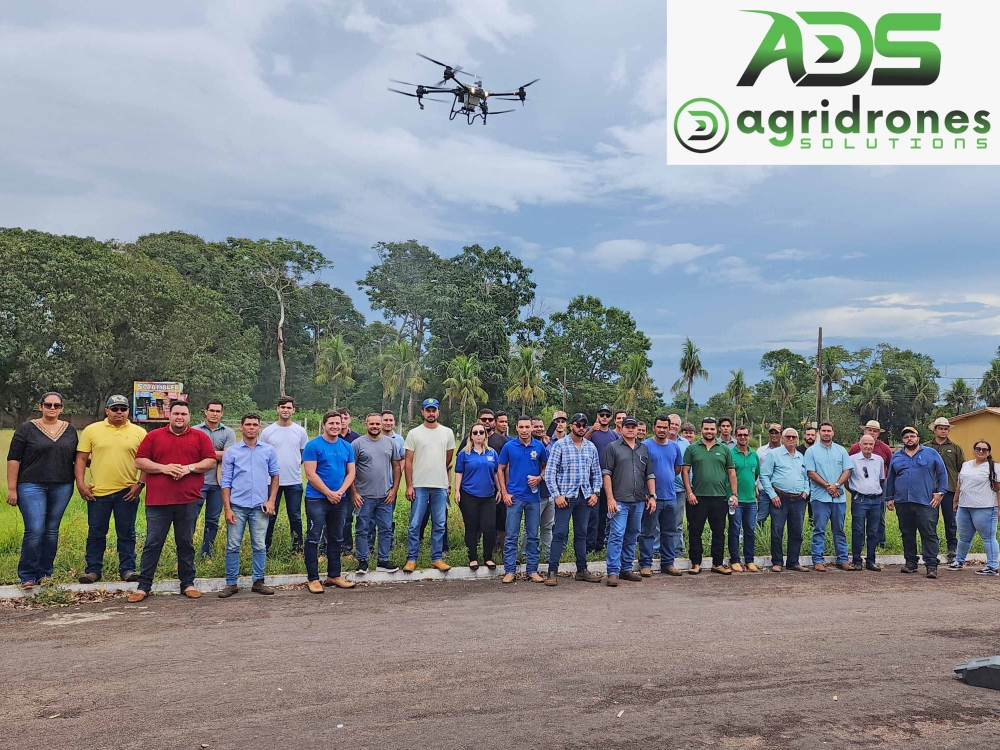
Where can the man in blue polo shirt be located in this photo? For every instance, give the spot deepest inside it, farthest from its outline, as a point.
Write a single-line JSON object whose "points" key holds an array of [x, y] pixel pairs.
{"points": [[522, 463], [666, 458], [828, 467]]}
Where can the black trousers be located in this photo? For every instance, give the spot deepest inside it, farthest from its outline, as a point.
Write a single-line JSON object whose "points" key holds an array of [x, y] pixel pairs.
{"points": [[713, 510], [914, 518], [947, 509], [479, 515], [158, 521]]}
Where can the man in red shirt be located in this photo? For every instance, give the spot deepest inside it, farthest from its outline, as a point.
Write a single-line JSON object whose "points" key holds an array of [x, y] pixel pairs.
{"points": [[174, 459], [874, 429]]}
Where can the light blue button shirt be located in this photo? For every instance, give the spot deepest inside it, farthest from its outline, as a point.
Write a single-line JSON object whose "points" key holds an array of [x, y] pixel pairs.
{"points": [[829, 463], [247, 472], [783, 471], [678, 483]]}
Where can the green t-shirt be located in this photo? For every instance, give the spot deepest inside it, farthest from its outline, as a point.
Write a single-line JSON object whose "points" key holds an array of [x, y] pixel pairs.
{"points": [[747, 472], [709, 469]]}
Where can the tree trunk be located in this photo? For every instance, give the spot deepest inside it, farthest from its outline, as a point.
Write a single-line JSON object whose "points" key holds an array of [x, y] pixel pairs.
{"points": [[464, 397], [335, 391], [281, 345], [687, 405], [402, 395], [409, 408]]}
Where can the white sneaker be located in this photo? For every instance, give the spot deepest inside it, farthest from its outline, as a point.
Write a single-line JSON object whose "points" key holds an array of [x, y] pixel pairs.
{"points": [[956, 565], [987, 572]]}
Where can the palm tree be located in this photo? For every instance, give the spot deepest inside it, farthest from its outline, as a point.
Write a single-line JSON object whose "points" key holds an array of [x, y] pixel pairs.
{"points": [[634, 383], [525, 378], [739, 395], [960, 396], [691, 370], [335, 365], [989, 389], [782, 389], [398, 372], [925, 391], [873, 394], [463, 383], [832, 374]]}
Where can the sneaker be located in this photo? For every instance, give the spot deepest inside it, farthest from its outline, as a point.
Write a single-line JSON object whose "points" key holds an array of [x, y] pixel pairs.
{"points": [[908, 568], [441, 565], [259, 587], [535, 578], [752, 568], [587, 576], [130, 576], [646, 572], [628, 575], [229, 591], [874, 567], [89, 578], [410, 566], [386, 567], [932, 572], [670, 570], [552, 580], [736, 567], [724, 570], [508, 578], [956, 565], [362, 567], [611, 580], [987, 572]]}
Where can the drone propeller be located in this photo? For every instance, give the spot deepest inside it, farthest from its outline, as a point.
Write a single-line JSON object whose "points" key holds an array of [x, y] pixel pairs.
{"points": [[450, 71], [500, 111], [405, 83], [419, 97]]}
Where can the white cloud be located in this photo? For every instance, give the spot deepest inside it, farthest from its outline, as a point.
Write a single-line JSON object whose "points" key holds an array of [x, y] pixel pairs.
{"points": [[613, 254], [789, 254], [619, 71]]}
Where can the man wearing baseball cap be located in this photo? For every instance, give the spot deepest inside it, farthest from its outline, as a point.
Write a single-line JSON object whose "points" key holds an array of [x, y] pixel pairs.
{"points": [[883, 451], [916, 483], [953, 457], [429, 450], [601, 435], [773, 443], [630, 489], [114, 488]]}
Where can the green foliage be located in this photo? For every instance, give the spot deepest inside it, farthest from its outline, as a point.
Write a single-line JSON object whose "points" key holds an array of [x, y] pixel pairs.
{"points": [[464, 385], [525, 379], [335, 365]]}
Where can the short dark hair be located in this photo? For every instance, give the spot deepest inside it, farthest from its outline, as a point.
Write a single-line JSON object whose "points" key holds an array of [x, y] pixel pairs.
{"points": [[810, 427], [178, 402], [374, 414], [247, 417], [389, 412], [328, 415], [41, 399], [826, 424], [538, 419], [742, 427], [286, 400], [500, 414], [344, 411], [642, 424], [725, 419], [525, 418], [484, 412], [215, 401], [661, 418], [619, 411], [686, 426]]}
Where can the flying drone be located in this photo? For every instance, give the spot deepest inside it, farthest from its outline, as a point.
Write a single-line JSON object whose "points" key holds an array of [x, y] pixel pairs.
{"points": [[470, 98]]}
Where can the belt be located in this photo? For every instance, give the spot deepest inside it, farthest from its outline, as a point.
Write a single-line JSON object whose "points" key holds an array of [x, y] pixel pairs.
{"points": [[862, 494], [788, 494]]}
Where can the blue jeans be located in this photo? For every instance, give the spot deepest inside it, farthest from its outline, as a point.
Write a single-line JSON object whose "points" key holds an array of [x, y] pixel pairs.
{"points": [[764, 507], [829, 513], [375, 514], [745, 520], [212, 499], [42, 507], [623, 531], [99, 513], [435, 498], [531, 512], [256, 519], [983, 520], [792, 511], [664, 517], [293, 508], [322, 515], [579, 511], [866, 511]]}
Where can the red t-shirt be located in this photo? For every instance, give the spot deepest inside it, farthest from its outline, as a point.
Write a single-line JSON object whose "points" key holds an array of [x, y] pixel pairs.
{"points": [[881, 449], [164, 447]]}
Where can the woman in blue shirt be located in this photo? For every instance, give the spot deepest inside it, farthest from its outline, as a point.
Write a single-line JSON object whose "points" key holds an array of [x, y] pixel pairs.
{"points": [[476, 495]]}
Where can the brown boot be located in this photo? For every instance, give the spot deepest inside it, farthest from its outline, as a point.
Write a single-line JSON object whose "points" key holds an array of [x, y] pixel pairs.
{"points": [[775, 568], [736, 567], [192, 593], [847, 566], [751, 568], [819, 568], [722, 570], [259, 587], [340, 582], [670, 570], [508, 578], [229, 591], [628, 575], [441, 565], [535, 578], [89, 578], [587, 576], [315, 587], [136, 596], [611, 580], [646, 572], [410, 566], [694, 570]]}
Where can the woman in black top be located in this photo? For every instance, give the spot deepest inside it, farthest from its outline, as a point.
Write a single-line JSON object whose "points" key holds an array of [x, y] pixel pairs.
{"points": [[40, 484]]}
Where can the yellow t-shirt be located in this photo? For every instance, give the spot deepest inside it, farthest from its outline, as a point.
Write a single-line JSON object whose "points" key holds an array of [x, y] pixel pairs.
{"points": [[112, 455]]}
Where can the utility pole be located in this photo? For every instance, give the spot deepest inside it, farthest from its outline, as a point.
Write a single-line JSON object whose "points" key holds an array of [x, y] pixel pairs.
{"points": [[819, 378], [564, 390]]}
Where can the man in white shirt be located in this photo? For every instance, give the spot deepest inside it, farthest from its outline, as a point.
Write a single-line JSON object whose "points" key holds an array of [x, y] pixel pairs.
{"points": [[288, 439], [866, 502]]}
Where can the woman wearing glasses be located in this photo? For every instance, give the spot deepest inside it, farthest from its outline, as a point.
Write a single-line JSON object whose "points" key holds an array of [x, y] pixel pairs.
{"points": [[476, 493], [40, 484], [976, 507]]}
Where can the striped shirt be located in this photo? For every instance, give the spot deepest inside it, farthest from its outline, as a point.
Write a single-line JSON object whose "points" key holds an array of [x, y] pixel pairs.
{"points": [[571, 470]]}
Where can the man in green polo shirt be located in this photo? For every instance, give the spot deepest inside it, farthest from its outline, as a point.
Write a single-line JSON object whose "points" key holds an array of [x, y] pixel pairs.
{"points": [[747, 465], [709, 495]]}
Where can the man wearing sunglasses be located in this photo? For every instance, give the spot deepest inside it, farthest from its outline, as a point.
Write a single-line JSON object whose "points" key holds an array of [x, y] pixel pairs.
{"points": [[109, 447], [866, 502], [774, 441], [601, 435]]}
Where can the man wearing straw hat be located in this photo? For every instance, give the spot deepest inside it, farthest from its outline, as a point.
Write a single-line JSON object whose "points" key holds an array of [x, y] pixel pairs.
{"points": [[953, 458]]}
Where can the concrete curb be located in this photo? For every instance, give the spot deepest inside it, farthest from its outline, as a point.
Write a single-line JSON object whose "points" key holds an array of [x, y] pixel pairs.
{"points": [[209, 585]]}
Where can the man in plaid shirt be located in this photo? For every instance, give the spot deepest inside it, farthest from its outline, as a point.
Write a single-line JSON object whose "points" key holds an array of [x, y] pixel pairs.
{"points": [[573, 476]]}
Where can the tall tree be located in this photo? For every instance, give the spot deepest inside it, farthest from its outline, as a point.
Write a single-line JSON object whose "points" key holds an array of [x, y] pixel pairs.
{"points": [[739, 395], [960, 396], [634, 384], [335, 365], [525, 378], [463, 383], [832, 375], [783, 389], [921, 384], [872, 394], [989, 388], [691, 370]]}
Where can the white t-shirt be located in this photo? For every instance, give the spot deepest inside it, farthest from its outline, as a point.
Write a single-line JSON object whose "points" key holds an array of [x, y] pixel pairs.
{"points": [[430, 453], [288, 443], [976, 490]]}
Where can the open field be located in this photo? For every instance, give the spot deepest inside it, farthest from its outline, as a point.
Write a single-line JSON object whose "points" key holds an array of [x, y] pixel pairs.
{"points": [[852, 660], [72, 539]]}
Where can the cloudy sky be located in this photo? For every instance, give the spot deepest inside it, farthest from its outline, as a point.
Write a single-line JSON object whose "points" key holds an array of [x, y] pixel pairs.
{"points": [[272, 118]]}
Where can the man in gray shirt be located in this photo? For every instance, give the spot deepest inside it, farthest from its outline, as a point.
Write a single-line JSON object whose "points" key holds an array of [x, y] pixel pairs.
{"points": [[628, 484], [376, 458], [222, 437]]}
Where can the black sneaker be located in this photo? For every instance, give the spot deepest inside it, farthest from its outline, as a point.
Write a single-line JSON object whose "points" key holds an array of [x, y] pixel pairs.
{"points": [[362, 567], [384, 566], [932, 572], [908, 568]]}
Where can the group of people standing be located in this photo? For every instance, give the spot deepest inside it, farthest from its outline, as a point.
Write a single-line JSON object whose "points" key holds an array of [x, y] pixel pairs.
{"points": [[624, 492]]}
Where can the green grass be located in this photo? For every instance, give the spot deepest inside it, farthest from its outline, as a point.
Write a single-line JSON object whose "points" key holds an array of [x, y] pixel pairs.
{"points": [[73, 534]]}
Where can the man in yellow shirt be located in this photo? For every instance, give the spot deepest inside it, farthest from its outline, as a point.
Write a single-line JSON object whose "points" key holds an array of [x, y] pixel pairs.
{"points": [[114, 487]]}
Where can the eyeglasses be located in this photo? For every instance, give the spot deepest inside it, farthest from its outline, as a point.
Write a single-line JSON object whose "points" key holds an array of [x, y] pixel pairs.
{"points": [[977, 449], [52, 406], [579, 424], [479, 432], [486, 419], [118, 408]]}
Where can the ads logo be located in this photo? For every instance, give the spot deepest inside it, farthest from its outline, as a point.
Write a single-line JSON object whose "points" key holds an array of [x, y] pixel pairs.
{"points": [[784, 42], [701, 125]]}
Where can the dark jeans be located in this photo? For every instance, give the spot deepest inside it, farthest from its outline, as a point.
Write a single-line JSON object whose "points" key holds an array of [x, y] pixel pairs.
{"points": [[713, 510], [352, 523], [479, 515], [99, 514], [212, 500], [745, 520], [665, 517], [792, 511], [322, 514], [42, 507], [914, 518], [866, 510], [425, 521], [579, 511], [158, 521], [950, 522], [597, 524], [293, 508]]}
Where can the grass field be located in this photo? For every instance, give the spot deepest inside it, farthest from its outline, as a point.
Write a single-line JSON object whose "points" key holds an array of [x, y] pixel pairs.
{"points": [[70, 558]]}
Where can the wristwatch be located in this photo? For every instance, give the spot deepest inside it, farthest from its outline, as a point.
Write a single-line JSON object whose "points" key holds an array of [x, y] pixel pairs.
{"points": [[191, 468]]}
